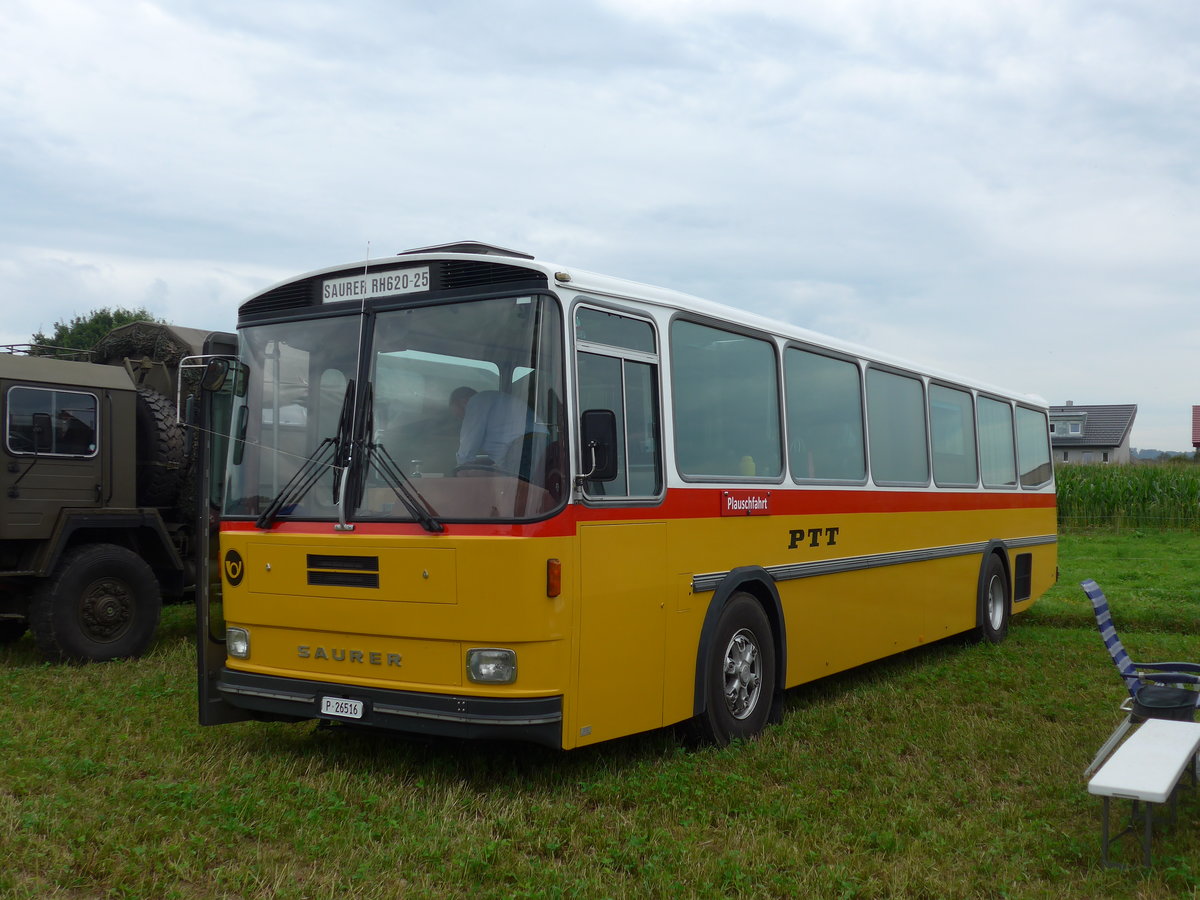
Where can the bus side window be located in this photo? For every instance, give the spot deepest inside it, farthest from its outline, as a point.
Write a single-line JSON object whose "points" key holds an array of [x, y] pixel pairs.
{"points": [[627, 388], [621, 376], [896, 420], [952, 427], [996, 444], [1033, 448], [824, 417], [726, 392]]}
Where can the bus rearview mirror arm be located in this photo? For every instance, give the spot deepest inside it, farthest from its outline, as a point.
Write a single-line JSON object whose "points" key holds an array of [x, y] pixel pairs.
{"points": [[584, 476]]}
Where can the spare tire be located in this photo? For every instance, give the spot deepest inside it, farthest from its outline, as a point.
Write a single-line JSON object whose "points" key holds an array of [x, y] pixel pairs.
{"points": [[161, 446]]}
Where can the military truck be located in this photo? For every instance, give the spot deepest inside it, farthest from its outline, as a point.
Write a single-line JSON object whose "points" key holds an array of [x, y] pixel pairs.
{"points": [[98, 502]]}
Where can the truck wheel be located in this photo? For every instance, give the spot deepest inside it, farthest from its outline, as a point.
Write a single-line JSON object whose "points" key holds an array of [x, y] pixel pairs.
{"points": [[101, 603], [160, 449], [12, 630]]}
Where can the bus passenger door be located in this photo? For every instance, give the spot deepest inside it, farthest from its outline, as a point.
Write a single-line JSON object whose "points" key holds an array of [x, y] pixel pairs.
{"points": [[622, 631], [623, 558]]}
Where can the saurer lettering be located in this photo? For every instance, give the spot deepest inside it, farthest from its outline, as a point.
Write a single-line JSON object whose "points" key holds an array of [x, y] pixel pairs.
{"points": [[341, 654]]}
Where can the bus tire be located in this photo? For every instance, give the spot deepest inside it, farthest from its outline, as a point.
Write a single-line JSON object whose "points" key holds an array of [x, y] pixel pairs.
{"points": [[994, 606], [740, 682], [102, 602]]}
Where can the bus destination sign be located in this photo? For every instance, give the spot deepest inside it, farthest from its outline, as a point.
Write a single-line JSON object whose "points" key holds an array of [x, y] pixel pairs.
{"points": [[375, 284], [745, 503]]}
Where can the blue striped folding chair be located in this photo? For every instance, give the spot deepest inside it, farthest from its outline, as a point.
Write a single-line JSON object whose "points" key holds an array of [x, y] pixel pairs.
{"points": [[1156, 690]]}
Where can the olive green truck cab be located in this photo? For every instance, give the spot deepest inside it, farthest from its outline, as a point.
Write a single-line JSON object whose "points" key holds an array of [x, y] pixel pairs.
{"points": [[98, 505]]}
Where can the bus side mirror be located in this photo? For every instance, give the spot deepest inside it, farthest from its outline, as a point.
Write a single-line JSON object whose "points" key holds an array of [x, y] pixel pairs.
{"points": [[599, 440]]}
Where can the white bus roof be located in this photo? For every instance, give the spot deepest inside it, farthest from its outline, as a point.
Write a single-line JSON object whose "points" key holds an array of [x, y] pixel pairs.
{"points": [[565, 277]]}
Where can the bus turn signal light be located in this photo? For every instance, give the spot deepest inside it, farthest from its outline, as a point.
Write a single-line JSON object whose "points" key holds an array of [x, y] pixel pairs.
{"points": [[553, 577]]}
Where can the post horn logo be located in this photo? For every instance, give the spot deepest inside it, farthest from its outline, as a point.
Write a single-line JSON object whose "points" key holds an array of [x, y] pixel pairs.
{"points": [[234, 568]]}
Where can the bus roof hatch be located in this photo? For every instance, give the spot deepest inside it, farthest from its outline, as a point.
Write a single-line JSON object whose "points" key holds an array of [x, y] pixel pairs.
{"points": [[468, 247]]}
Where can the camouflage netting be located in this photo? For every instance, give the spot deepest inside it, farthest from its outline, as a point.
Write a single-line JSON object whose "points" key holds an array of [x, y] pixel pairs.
{"points": [[162, 343]]}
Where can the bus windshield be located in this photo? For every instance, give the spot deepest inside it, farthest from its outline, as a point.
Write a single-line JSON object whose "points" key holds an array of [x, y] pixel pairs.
{"points": [[458, 416]]}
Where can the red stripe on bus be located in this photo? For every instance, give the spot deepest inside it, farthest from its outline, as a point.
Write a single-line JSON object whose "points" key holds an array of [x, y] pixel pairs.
{"points": [[698, 503]]}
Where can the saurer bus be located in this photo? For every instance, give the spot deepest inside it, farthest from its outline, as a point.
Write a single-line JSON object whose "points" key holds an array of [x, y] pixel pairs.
{"points": [[471, 493]]}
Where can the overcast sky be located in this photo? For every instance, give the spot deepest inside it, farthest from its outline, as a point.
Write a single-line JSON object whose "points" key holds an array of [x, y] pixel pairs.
{"points": [[1006, 189]]}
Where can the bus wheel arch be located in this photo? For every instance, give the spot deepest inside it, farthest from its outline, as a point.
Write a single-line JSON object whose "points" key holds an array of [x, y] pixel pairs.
{"points": [[742, 638], [993, 598]]}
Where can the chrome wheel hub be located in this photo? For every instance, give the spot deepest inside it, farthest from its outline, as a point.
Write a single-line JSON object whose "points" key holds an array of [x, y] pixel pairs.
{"points": [[743, 674]]}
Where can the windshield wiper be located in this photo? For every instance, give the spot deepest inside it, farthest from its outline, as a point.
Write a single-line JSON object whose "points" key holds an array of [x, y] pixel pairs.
{"points": [[381, 461], [300, 483], [330, 452], [393, 476]]}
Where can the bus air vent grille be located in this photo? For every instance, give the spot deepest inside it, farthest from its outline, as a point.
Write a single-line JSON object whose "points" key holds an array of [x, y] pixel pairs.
{"points": [[359, 563], [466, 274], [344, 579], [287, 296], [343, 571]]}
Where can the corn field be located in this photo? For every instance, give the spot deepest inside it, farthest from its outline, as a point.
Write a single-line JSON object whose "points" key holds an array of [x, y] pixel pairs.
{"points": [[1134, 496]]}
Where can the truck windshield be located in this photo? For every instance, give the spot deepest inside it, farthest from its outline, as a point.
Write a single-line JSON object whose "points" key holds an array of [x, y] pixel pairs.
{"points": [[461, 405]]}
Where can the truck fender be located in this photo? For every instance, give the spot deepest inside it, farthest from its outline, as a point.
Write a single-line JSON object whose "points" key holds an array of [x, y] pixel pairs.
{"points": [[109, 525]]}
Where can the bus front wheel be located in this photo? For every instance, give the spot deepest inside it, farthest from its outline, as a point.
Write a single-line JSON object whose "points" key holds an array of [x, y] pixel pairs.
{"points": [[995, 602], [741, 673]]}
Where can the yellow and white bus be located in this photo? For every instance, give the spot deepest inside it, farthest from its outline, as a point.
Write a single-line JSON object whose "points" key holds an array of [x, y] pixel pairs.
{"points": [[475, 494]]}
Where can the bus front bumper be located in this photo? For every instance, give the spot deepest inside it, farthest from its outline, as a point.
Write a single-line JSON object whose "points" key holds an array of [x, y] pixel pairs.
{"points": [[537, 720]]}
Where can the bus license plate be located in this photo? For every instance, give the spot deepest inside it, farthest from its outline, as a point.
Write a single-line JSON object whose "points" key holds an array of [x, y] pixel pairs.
{"points": [[341, 707]]}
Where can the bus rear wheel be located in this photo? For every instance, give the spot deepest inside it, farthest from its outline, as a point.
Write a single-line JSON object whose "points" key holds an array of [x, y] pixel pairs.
{"points": [[994, 606], [741, 674]]}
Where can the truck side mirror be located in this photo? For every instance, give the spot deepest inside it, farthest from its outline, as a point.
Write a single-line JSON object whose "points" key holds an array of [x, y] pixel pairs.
{"points": [[239, 435], [599, 441], [43, 432], [214, 375], [218, 371]]}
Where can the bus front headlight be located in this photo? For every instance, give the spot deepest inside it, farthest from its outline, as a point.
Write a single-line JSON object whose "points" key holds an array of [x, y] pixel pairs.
{"points": [[237, 643], [489, 665]]}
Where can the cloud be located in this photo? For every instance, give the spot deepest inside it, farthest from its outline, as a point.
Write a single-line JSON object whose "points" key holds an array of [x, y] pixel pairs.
{"points": [[48, 288], [1006, 189]]}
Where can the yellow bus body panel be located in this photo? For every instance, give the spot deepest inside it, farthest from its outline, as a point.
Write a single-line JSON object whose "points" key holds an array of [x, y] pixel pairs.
{"points": [[429, 609], [619, 643]]}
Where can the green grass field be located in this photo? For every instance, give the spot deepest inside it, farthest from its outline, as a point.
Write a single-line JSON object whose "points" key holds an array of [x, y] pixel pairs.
{"points": [[952, 771]]}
